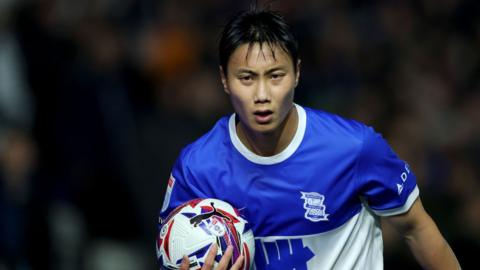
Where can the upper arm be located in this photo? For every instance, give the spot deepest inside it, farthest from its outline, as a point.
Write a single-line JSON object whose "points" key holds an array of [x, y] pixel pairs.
{"points": [[415, 220], [179, 188], [383, 179]]}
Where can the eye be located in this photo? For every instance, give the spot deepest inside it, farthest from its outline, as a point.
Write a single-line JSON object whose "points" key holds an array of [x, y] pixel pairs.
{"points": [[246, 78], [277, 76]]}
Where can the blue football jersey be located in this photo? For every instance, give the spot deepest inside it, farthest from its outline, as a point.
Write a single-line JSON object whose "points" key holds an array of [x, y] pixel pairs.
{"points": [[316, 204]]}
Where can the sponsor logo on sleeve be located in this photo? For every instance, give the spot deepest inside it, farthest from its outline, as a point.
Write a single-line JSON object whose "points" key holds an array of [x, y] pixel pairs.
{"points": [[404, 177]]}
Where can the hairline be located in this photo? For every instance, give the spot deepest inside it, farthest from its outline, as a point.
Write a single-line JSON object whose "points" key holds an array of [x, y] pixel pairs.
{"points": [[272, 46]]}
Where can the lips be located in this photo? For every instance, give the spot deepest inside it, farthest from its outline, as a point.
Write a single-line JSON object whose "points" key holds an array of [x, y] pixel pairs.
{"points": [[263, 116]]}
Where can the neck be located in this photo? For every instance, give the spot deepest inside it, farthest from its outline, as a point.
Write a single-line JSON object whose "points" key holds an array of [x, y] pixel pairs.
{"points": [[270, 143]]}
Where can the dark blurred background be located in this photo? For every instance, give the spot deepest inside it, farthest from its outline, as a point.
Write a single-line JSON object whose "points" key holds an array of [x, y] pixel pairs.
{"points": [[97, 97]]}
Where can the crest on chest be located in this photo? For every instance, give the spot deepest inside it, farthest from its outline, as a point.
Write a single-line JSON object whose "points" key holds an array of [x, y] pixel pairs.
{"points": [[315, 210]]}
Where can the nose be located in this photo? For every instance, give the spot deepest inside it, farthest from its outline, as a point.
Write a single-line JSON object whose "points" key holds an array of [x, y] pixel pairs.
{"points": [[262, 94]]}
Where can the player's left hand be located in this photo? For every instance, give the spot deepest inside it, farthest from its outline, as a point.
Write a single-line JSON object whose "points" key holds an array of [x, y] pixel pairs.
{"points": [[209, 261]]}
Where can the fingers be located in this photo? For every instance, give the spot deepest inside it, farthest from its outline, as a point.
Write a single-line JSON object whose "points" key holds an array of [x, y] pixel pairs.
{"points": [[238, 264], [210, 260], [223, 264], [185, 263]]}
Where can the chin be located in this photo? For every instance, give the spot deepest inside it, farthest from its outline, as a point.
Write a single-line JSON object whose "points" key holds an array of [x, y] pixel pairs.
{"points": [[264, 128]]}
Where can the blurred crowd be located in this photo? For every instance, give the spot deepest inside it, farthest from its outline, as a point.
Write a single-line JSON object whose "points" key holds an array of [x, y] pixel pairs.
{"points": [[97, 98]]}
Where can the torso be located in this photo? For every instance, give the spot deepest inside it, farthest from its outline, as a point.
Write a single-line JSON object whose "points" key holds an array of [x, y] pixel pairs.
{"points": [[303, 204]]}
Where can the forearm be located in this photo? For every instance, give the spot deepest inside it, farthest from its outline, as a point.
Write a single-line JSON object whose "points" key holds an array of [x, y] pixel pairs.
{"points": [[430, 248], [424, 239]]}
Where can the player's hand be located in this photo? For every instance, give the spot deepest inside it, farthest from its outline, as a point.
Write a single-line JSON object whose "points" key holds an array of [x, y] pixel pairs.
{"points": [[209, 261]]}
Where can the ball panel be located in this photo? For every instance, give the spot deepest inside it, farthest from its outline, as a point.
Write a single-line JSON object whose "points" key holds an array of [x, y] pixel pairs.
{"points": [[192, 227]]}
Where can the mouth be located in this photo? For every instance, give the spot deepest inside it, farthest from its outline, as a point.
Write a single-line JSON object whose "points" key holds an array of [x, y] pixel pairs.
{"points": [[263, 116]]}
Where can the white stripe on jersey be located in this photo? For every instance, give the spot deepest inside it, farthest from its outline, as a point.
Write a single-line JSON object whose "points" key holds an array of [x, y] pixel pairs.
{"points": [[357, 244], [402, 209]]}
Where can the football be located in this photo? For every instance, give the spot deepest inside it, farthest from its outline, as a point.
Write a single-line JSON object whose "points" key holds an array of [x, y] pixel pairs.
{"points": [[191, 229]]}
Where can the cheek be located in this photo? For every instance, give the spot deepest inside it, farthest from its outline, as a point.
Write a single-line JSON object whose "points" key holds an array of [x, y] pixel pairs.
{"points": [[285, 94], [238, 92], [285, 88], [238, 100]]}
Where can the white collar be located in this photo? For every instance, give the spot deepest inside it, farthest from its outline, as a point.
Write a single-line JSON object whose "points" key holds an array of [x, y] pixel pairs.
{"points": [[270, 160]]}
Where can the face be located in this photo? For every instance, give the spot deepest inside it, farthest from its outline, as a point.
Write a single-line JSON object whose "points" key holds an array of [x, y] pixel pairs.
{"points": [[260, 86]]}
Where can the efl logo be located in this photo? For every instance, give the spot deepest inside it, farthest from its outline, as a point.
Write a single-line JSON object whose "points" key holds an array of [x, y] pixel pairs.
{"points": [[166, 200]]}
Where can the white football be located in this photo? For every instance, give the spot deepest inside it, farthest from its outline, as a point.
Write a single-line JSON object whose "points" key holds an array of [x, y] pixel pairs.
{"points": [[194, 226]]}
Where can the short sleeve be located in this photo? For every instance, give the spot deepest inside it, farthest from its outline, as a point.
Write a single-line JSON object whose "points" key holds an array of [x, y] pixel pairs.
{"points": [[179, 190], [385, 181]]}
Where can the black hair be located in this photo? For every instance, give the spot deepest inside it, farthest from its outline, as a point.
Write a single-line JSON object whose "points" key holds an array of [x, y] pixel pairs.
{"points": [[260, 26]]}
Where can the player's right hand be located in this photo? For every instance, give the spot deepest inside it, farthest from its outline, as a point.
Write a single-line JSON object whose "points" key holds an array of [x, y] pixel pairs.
{"points": [[209, 261]]}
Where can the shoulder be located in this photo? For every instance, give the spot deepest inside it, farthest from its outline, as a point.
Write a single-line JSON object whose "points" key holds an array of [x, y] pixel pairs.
{"points": [[208, 145], [336, 127], [345, 133]]}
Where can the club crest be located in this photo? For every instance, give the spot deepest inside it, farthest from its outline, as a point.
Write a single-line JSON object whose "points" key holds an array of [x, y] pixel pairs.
{"points": [[313, 204]]}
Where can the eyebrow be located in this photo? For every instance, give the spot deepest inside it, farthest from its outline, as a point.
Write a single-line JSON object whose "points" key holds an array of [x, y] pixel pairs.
{"points": [[269, 71]]}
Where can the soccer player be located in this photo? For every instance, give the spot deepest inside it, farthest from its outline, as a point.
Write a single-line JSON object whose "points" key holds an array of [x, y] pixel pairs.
{"points": [[312, 185]]}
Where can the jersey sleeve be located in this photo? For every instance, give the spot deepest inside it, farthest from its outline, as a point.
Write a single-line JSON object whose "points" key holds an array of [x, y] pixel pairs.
{"points": [[179, 188], [385, 181]]}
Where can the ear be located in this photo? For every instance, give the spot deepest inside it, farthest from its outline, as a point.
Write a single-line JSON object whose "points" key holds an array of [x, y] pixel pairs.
{"points": [[223, 76], [297, 75]]}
